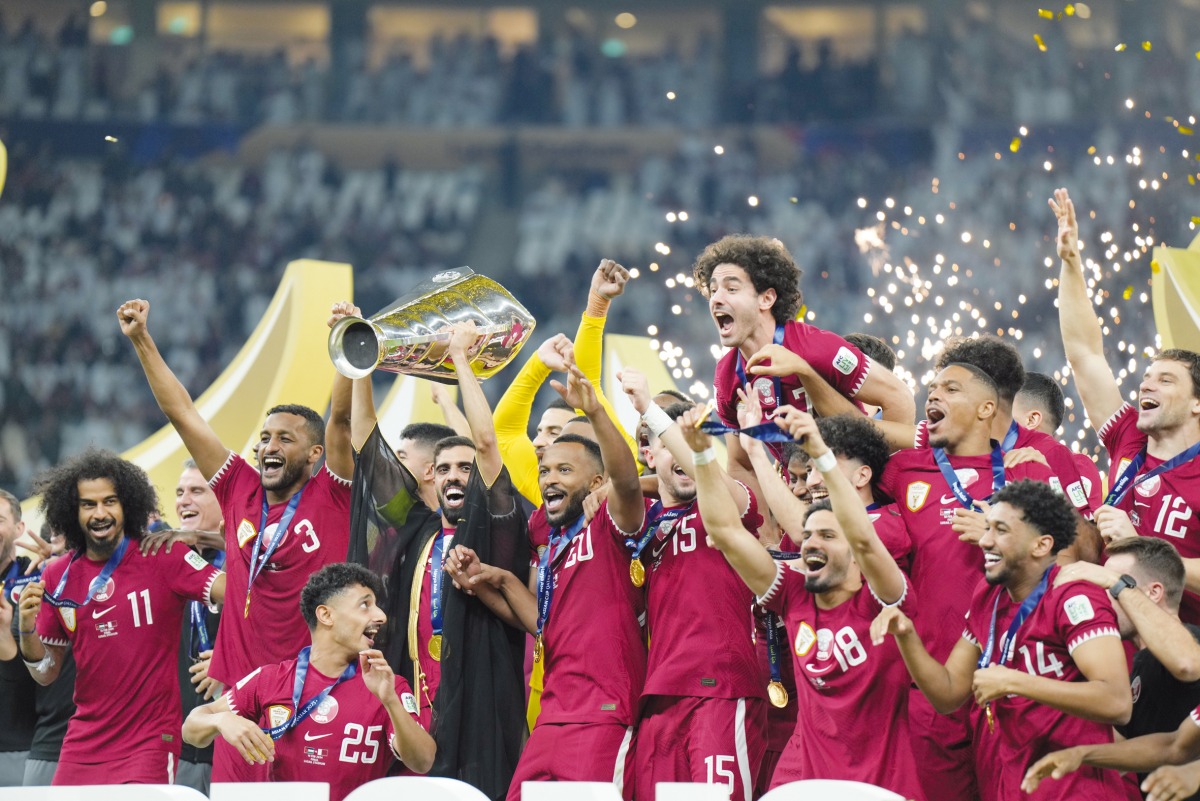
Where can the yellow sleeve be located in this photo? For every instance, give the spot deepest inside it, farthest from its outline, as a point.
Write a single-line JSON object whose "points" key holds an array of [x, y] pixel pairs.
{"points": [[512, 428], [589, 347]]}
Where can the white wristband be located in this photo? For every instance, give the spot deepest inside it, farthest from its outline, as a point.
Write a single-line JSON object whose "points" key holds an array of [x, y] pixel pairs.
{"points": [[658, 420], [825, 462], [705, 456]]}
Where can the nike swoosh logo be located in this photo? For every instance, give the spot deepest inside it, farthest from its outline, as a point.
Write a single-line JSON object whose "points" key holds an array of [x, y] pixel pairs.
{"points": [[99, 613], [308, 738], [949, 499]]}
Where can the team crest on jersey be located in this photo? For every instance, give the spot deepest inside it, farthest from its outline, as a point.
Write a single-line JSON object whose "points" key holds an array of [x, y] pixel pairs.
{"points": [[845, 361], [409, 703], [245, 532], [1136, 688], [805, 638], [824, 645], [68, 617], [326, 710], [1148, 488], [195, 560], [1078, 609], [106, 591], [278, 714], [765, 388], [918, 492]]}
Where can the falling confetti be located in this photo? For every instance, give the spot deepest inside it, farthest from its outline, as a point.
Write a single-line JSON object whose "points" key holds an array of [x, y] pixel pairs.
{"points": [[1128, 293], [1120, 48], [1045, 13], [1146, 46], [1069, 10], [1015, 144], [110, 139], [1154, 267], [1186, 131], [1038, 39]]}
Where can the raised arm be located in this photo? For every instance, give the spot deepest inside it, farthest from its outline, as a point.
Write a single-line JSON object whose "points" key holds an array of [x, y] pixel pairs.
{"points": [[625, 498], [172, 397], [487, 454], [788, 510], [877, 565], [1083, 340], [450, 411], [608, 283], [44, 662], [946, 686], [512, 416], [720, 514]]}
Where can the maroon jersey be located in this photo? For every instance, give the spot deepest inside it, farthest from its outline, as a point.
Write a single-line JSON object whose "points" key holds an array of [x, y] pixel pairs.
{"points": [[844, 366], [701, 616], [539, 535], [839, 676], [1066, 617], [346, 741], [595, 651], [319, 534], [1064, 469], [1162, 506], [893, 533], [1089, 474], [944, 570], [124, 642]]}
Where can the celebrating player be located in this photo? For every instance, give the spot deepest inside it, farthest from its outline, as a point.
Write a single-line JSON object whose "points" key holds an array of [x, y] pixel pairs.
{"points": [[322, 715]]}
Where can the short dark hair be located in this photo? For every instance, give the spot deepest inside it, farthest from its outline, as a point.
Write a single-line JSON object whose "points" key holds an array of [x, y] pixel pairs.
{"points": [[1042, 391], [451, 442], [427, 435], [1043, 508], [976, 371], [853, 436], [333, 580], [822, 505], [765, 260], [879, 351], [5, 495], [676, 410], [59, 488], [580, 418], [592, 448], [676, 394], [793, 450], [1187, 357], [558, 403], [992, 355], [1159, 559], [312, 421]]}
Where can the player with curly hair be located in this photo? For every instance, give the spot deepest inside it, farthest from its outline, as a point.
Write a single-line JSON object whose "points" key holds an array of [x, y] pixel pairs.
{"points": [[119, 610]]}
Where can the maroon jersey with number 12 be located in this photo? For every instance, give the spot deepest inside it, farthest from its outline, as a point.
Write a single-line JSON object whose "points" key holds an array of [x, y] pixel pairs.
{"points": [[319, 534]]}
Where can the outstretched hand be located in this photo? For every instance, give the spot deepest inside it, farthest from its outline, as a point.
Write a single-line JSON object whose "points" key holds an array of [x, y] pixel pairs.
{"points": [[636, 387], [689, 423], [1068, 227], [343, 308], [578, 391]]}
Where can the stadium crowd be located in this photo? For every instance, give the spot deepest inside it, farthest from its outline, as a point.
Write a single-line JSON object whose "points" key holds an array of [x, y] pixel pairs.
{"points": [[944, 603]]}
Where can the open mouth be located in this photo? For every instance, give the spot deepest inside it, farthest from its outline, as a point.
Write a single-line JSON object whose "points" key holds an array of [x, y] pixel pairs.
{"points": [[454, 495], [990, 559], [934, 416], [272, 464], [188, 514], [371, 632], [1147, 403], [818, 493], [724, 322], [555, 499], [101, 528], [815, 561]]}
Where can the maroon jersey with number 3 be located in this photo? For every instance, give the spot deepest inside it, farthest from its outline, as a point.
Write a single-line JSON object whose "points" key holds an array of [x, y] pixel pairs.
{"points": [[346, 741], [319, 534], [1163, 506], [1065, 618], [701, 616], [124, 642]]}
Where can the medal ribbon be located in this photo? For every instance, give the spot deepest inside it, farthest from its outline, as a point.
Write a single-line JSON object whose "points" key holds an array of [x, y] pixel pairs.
{"points": [[956, 487], [765, 432], [256, 563], [298, 689], [13, 580], [55, 599], [772, 623], [1127, 481], [436, 582], [559, 540], [1026, 609], [658, 519], [739, 367], [199, 615], [1010, 439]]}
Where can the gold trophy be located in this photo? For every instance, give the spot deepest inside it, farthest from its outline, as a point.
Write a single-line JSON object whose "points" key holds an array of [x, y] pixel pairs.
{"points": [[411, 335]]}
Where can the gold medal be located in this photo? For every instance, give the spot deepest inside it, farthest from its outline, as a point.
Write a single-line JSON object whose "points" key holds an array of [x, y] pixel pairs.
{"points": [[637, 572], [435, 647], [778, 695], [537, 649], [991, 720], [246, 611]]}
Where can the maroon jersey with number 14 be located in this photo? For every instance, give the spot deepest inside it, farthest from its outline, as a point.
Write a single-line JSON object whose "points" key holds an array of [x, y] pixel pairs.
{"points": [[319, 534]]}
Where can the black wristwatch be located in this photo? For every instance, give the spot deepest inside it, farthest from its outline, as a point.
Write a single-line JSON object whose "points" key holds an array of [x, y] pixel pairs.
{"points": [[1124, 581]]}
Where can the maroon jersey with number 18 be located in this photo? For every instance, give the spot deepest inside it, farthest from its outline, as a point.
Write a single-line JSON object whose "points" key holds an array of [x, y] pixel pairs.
{"points": [[346, 741], [319, 534]]}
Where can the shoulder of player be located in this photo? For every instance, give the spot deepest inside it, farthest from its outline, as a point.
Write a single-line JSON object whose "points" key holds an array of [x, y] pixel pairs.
{"points": [[54, 568], [234, 467], [1120, 430], [1078, 603]]}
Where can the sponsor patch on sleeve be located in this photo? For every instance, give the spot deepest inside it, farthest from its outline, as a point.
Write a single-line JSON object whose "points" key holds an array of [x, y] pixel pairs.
{"points": [[195, 560], [278, 714], [1078, 609], [1077, 494], [845, 361], [245, 532], [409, 702]]}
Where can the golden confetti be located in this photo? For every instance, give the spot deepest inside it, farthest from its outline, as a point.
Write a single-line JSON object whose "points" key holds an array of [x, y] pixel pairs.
{"points": [[1015, 144], [1092, 150], [1154, 267], [1192, 180], [1038, 39], [1186, 131], [1128, 293], [1045, 13], [1069, 10], [1120, 48], [110, 139], [1146, 46], [1196, 220]]}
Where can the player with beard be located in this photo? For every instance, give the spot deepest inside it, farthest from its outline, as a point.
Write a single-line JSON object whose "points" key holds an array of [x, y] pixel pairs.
{"points": [[120, 612], [962, 467], [1044, 662], [704, 705], [581, 605], [1155, 481], [281, 525], [339, 687], [1040, 406], [753, 291], [846, 578]]}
